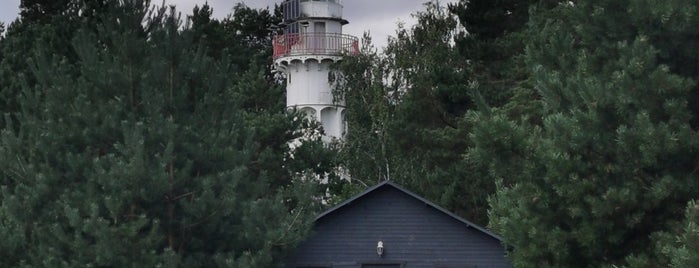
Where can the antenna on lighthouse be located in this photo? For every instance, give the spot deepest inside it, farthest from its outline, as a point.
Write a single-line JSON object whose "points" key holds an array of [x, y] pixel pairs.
{"points": [[311, 41]]}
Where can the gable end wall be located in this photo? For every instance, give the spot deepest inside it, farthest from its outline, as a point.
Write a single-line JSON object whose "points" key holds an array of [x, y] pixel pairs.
{"points": [[414, 234]]}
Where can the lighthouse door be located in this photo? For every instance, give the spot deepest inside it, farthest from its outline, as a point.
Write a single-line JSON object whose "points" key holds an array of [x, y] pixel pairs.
{"points": [[319, 37], [319, 27]]}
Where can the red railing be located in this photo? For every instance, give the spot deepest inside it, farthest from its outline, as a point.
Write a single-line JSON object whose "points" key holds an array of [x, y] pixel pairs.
{"points": [[314, 44]]}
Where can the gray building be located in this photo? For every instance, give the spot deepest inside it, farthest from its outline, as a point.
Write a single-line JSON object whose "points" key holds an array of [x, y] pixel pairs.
{"points": [[387, 226]]}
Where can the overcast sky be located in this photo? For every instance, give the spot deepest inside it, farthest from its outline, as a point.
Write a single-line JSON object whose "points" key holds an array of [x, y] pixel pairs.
{"points": [[379, 17]]}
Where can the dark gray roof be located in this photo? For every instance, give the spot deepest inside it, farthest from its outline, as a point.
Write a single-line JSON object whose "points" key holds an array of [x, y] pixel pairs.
{"points": [[413, 195]]}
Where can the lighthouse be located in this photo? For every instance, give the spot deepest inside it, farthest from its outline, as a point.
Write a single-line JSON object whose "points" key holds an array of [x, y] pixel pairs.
{"points": [[311, 40]]}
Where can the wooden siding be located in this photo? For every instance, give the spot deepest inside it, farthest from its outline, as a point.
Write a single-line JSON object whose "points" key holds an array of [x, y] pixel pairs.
{"points": [[414, 234]]}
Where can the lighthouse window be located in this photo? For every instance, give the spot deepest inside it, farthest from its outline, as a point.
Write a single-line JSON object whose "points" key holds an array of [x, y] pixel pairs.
{"points": [[291, 10], [292, 28], [319, 27]]}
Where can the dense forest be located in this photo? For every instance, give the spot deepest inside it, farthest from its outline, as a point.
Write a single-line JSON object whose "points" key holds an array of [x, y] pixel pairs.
{"points": [[133, 137], [567, 127], [138, 135]]}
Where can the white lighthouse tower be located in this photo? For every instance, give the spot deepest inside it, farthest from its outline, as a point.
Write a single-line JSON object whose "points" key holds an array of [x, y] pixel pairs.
{"points": [[311, 42]]}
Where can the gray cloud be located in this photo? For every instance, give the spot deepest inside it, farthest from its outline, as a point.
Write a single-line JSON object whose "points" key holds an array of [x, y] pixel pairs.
{"points": [[9, 10], [379, 17]]}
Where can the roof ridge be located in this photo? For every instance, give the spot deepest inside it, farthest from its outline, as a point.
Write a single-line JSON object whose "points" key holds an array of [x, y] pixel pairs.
{"points": [[413, 195]]}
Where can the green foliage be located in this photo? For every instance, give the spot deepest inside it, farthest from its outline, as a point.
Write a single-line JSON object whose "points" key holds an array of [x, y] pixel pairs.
{"points": [[129, 139], [43, 10], [414, 108], [23, 39], [581, 113], [243, 36], [612, 162], [135, 148], [407, 116], [683, 250], [493, 42], [47, 27]]}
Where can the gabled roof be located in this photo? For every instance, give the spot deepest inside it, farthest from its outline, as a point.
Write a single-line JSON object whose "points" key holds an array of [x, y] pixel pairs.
{"points": [[411, 194]]}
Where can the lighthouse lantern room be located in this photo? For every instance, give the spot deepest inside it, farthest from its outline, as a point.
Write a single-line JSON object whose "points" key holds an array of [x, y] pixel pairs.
{"points": [[310, 43]]}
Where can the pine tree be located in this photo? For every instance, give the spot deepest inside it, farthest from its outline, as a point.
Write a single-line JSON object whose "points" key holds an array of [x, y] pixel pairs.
{"points": [[142, 153], [243, 36], [405, 109], [42, 26], [682, 247], [410, 106], [493, 43], [610, 167]]}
